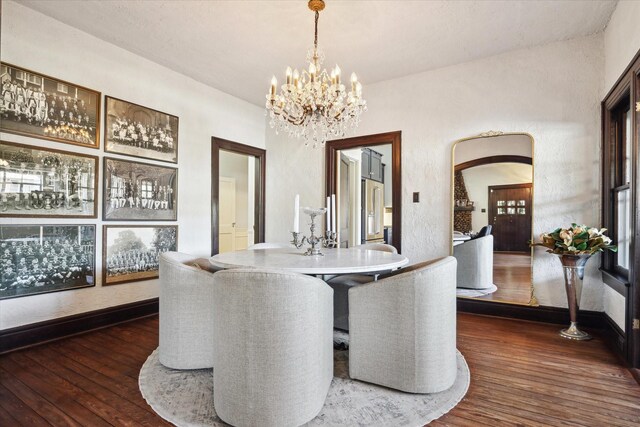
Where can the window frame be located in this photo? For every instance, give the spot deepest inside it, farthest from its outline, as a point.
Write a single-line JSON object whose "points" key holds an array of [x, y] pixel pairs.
{"points": [[625, 92]]}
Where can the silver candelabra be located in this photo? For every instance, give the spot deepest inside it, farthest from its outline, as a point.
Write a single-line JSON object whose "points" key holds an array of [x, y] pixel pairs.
{"points": [[328, 240]]}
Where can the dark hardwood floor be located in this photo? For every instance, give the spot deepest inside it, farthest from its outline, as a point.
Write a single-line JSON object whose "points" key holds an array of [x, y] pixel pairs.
{"points": [[522, 373], [512, 276]]}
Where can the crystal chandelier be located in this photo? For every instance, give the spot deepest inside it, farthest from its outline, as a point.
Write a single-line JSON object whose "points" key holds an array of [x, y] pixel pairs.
{"points": [[314, 104]]}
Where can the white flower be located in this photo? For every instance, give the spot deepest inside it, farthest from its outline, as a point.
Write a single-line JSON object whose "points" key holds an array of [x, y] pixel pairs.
{"points": [[572, 249]]}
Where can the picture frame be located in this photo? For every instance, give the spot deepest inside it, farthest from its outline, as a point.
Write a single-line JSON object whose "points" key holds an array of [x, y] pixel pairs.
{"points": [[138, 131], [131, 252], [40, 182], [39, 106], [134, 191], [38, 259]]}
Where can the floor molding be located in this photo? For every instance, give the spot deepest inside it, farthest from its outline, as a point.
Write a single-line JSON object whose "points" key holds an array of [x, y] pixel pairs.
{"points": [[545, 314], [49, 330]]}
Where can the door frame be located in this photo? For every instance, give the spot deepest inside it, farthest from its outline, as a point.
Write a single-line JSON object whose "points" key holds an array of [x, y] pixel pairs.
{"points": [[218, 144], [491, 208], [393, 138]]}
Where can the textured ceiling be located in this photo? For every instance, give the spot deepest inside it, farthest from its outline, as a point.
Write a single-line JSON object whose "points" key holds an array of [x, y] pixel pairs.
{"points": [[236, 46]]}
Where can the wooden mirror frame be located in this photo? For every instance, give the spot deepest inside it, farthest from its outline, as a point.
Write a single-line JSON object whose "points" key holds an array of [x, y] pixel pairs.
{"points": [[393, 138], [483, 161], [218, 144]]}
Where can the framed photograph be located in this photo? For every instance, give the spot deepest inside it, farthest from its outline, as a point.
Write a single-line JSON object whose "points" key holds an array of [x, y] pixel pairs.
{"points": [[41, 182], [37, 259], [139, 192], [131, 252], [40, 106], [139, 131]]}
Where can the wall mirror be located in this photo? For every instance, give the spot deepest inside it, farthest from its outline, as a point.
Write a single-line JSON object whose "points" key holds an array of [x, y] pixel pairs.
{"points": [[364, 174], [492, 216], [237, 195]]}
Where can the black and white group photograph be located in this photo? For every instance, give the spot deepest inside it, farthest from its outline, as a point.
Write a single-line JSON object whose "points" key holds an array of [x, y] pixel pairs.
{"points": [[41, 182], [131, 253], [37, 259], [139, 191], [139, 131], [35, 105]]}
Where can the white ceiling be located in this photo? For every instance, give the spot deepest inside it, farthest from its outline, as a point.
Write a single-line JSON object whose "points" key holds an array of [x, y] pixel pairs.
{"points": [[236, 46]]}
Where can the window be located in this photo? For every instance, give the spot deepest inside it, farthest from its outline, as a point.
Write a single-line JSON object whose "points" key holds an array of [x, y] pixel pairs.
{"points": [[63, 88], [621, 200], [146, 189], [620, 146]]}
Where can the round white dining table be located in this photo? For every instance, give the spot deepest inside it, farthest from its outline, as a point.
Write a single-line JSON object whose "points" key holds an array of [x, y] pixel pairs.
{"points": [[334, 261]]}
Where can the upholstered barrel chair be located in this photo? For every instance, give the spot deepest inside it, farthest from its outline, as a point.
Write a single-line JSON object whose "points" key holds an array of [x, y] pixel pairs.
{"points": [[342, 284], [273, 356], [377, 247], [402, 328], [186, 311], [269, 245], [475, 263]]}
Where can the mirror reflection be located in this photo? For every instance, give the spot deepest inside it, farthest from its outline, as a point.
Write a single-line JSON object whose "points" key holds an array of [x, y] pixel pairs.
{"points": [[364, 195], [492, 216], [237, 201]]}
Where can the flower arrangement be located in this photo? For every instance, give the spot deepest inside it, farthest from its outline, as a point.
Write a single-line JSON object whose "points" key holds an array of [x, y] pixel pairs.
{"points": [[576, 240]]}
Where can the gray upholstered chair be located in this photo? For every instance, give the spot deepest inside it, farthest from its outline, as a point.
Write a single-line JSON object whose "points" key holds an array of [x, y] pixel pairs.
{"points": [[475, 263], [267, 245], [402, 328], [377, 247], [186, 319], [274, 347], [341, 285]]}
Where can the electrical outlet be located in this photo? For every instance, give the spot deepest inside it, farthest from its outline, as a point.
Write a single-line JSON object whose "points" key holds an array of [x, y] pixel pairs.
{"points": [[483, 210], [416, 197]]}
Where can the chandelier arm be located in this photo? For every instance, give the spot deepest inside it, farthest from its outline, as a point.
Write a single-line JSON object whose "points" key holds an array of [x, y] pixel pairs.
{"points": [[288, 118]]}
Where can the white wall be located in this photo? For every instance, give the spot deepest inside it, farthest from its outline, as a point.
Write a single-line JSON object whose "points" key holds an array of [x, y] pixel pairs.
{"points": [[32, 40], [478, 179], [552, 92], [621, 43]]}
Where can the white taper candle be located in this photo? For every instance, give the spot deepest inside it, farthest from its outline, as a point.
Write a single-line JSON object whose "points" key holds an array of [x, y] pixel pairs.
{"points": [[296, 214], [334, 223], [328, 213]]}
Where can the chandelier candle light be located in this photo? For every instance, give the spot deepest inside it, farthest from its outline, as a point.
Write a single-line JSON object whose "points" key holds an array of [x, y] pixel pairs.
{"points": [[314, 104]]}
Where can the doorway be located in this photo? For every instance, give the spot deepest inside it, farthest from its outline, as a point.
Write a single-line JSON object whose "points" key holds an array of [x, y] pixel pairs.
{"points": [[374, 160], [237, 195]]}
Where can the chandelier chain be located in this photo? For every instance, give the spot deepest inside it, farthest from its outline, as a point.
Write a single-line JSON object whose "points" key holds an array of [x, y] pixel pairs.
{"points": [[315, 39]]}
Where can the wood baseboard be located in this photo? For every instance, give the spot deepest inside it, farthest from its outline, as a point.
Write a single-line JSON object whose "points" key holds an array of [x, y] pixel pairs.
{"points": [[545, 314], [37, 333]]}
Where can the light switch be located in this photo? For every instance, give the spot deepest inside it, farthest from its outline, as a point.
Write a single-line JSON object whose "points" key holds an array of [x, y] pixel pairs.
{"points": [[416, 197]]}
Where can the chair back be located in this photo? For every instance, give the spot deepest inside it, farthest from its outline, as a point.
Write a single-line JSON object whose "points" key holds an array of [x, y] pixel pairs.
{"points": [[484, 231], [377, 247], [421, 303], [186, 319], [267, 245], [271, 327]]}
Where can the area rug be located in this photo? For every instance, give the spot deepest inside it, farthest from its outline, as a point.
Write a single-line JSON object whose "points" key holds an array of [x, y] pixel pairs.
{"points": [[185, 398], [473, 293]]}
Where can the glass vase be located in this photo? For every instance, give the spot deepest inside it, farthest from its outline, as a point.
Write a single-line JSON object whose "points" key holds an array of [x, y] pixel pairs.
{"points": [[573, 266]]}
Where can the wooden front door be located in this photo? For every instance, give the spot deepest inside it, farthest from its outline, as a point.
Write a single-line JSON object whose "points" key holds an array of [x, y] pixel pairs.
{"points": [[510, 216]]}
